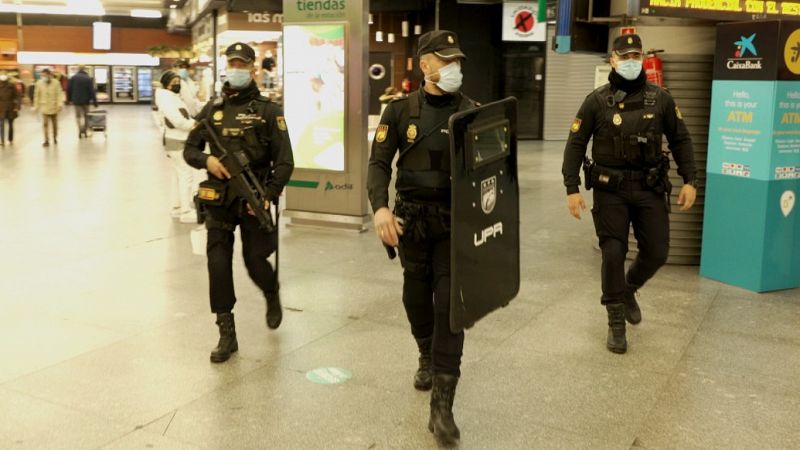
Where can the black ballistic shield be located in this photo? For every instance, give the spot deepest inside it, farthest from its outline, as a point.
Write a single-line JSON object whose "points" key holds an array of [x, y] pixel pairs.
{"points": [[485, 273]]}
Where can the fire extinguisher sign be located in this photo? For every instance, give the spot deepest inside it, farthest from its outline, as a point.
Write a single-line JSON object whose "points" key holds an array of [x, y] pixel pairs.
{"points": [[521, 22]]}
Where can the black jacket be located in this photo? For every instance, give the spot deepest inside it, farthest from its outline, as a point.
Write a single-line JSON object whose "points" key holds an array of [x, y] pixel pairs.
{"points": [[597, 116], [246, 120], [80, 90]]}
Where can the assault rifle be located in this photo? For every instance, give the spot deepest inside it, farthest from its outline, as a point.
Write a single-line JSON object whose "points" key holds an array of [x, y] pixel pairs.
{"points": [[243, 181]]}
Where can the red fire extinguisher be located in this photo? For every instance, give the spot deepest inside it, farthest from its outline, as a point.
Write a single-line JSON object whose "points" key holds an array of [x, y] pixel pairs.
{"points": [[654, 67]]}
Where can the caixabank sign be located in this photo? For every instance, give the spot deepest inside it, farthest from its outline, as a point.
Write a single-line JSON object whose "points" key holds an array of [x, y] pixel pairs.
{"points": [[758, 50], [751, 230]]}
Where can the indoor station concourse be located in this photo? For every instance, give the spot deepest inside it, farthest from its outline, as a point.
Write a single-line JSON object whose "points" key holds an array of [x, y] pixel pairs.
{"points": [[106, 327]]}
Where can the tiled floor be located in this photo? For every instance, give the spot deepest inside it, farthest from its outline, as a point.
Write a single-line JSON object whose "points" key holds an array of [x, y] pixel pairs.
{"points": [[106, 329]]}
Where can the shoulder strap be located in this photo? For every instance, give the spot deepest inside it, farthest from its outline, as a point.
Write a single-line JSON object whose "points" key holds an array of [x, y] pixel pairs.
{"points": [[650, 95], [420, 138], [415, 104]]}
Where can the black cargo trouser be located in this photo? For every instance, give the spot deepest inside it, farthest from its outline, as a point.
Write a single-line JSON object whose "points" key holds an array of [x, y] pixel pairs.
{"points": [[613, 213], [426, 288], [257, 246]]}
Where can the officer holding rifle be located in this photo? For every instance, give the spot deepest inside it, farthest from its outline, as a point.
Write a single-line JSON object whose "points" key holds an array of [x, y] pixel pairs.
{"points": [[250, 163]]}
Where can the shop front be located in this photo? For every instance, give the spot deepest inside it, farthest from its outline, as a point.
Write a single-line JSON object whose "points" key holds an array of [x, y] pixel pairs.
{"points": [[260, 30]]}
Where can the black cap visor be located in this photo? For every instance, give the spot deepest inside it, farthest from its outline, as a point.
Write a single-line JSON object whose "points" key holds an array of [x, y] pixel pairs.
{"points": [[450, 53], [241, 57], [625, 51]]}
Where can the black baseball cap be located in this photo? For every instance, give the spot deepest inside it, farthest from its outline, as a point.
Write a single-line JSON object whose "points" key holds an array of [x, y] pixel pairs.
{"points": [[182, 63], [627, 43], [241, 51], [441, 43]]}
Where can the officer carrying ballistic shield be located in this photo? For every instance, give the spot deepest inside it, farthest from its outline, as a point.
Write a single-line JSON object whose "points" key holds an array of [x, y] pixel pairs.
{"points": [[417, 128], [629, 174], [249, 141]]}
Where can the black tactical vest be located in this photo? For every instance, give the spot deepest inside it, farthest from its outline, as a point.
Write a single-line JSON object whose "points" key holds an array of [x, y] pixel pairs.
{"points": [[243, 127], [629, 131], [425, 149]]}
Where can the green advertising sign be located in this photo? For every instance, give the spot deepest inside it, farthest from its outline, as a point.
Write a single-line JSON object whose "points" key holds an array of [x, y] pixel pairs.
{"points": [[313, 10]]}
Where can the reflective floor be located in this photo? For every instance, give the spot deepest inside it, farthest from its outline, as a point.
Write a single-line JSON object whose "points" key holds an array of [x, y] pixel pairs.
{"points": [[105, 330]]}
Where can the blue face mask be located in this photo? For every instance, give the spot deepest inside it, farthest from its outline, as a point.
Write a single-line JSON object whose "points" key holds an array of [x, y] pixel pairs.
{"points": [[183, 73], [239, 78], [629, 69]]}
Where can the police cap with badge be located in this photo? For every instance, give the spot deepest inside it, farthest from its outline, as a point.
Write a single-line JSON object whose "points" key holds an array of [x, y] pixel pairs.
{"points": [[627, 43], [240, 51], [441, 43]]}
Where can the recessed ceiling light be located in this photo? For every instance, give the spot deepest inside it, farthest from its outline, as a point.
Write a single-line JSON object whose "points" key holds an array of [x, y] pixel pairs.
{"points": [[146, 13]]}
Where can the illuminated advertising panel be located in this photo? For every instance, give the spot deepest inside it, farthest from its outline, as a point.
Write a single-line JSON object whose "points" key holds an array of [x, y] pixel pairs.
{"points": [[314, 88], [722, 9], [101, 35]]}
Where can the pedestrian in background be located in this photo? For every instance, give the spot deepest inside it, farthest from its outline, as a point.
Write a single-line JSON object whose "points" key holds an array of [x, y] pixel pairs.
{"points": [[177, 123], [81, 93], [48, 99], [10, 101]]}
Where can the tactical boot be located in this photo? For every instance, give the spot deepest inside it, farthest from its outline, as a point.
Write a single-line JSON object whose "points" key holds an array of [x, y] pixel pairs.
{"points": [[442, 424], [423, 378], [632, 312], [616, 328], [274, 311], [227, 338]]}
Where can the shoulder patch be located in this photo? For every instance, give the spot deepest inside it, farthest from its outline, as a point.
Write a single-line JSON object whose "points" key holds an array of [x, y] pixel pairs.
{"points": [[678, 113], [281, 123], [576, 125], [381, 133]]}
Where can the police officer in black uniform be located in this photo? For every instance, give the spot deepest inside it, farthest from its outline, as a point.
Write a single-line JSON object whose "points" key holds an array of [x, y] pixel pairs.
{"points": [[629, 174], [417, 127], [242, 119]]}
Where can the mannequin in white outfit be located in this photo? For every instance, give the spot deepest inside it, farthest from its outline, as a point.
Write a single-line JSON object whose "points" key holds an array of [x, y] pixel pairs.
{"points": [[177, 122]]}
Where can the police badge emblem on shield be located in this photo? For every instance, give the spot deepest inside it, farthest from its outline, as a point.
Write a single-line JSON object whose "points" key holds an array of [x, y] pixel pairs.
{"points": [[488, 194]]}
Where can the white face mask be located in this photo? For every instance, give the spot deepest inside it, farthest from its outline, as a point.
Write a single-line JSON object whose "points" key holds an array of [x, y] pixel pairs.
{"points": [[450, 77], [629, 69]]}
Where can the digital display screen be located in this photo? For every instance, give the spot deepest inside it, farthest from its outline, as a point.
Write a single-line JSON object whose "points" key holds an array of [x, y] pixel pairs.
{"points": [[722, 9], [314, 89]]}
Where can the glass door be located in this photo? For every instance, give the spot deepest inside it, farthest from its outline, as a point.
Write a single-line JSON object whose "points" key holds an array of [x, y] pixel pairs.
{"points": [[124, 82], [101, 79], [145, 83]]}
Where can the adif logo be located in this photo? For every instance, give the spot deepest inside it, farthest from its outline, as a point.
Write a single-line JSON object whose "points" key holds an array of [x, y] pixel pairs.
{"points": [[487, 233], [745, 47], [787, 203], [338, 187]]}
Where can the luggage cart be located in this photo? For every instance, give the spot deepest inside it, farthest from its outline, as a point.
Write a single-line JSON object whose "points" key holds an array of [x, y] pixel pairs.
{"points": [[96, 121]]}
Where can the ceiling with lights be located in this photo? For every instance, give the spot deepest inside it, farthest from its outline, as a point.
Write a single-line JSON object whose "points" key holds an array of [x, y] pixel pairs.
{"points": [[138, 8]]}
